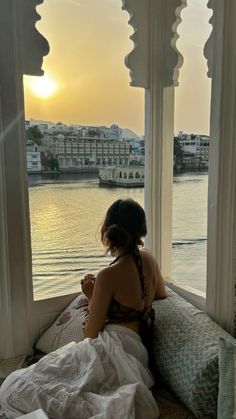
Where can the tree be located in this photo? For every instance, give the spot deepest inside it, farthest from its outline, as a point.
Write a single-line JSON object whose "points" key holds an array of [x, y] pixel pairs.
{"points": [[34, 134], [178, 153], [53, 163]]}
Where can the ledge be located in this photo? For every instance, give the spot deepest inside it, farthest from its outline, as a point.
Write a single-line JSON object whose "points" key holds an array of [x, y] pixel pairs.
{"points": [[195, 297]]}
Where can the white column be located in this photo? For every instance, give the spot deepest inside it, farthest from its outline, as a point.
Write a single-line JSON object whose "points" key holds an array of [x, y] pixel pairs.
{"points": [[221, 269], [159, 133], [5, 296], [154, 65], [16, 293]]}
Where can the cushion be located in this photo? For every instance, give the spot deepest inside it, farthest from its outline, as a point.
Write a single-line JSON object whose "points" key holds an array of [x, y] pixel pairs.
{"points": [[169, 405], [67, 327], [186, 347], [227, 382]]}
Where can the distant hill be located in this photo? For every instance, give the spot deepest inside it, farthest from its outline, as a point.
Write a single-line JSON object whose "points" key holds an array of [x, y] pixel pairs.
{"points": [[128, 133]]}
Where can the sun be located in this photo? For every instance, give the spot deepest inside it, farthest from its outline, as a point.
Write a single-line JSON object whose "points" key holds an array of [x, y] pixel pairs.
{"points": [[43, 87]]}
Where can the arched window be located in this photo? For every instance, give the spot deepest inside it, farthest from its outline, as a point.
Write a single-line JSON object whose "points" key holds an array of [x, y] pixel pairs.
{"points": [[159, 132]]}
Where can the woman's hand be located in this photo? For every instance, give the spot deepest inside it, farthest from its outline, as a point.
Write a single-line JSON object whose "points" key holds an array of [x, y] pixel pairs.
{"points": [[87, 285], [99, 304]]}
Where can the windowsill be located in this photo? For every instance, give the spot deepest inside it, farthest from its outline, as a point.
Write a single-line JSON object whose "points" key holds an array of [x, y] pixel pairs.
{"points": [[195, 297]]}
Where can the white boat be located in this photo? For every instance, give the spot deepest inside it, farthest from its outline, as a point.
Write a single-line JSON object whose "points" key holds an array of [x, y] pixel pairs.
{"points": [[122, 176]]}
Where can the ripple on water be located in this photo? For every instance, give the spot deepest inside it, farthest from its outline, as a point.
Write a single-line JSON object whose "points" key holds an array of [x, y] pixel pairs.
{"points": [[65, 222]]}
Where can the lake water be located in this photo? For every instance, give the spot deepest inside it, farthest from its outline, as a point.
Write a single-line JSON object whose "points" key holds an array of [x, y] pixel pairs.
{"points": [[66, 215]]}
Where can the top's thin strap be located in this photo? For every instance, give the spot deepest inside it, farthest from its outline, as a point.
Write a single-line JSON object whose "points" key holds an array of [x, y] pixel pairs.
{"points": [[138, 262], [118, 257], [139, 265]]}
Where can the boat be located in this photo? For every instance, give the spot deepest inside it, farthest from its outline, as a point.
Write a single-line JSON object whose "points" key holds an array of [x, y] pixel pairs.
{"points": [[122, 176]]}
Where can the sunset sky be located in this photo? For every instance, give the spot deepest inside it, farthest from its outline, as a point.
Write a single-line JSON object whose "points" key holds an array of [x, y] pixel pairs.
{"points": [[86, 81]]}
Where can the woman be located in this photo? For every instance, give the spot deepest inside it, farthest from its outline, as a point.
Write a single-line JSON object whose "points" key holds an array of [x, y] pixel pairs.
{"points": [[106, 375]]}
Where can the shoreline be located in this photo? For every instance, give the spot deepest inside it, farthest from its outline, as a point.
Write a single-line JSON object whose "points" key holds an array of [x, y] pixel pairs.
{"points": [[95, 170]]}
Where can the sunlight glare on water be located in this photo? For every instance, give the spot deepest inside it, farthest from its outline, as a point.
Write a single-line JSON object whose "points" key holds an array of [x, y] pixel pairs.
{"points": [[65, 230], [66, 216]]}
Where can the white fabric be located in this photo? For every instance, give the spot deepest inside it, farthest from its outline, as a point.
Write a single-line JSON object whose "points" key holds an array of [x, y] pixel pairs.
{"points": [[37, 414], [102, 378]]}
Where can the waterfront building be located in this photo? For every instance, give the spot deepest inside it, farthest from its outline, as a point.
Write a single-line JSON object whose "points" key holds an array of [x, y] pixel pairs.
{"points": [[27, 124], [195, 149], [74, 152], [58, 128], [112, 133], [33, 157], [43, 127], [137, 159]]}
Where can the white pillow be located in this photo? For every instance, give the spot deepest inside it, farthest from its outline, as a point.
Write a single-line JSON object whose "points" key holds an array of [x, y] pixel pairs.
{"points": [[67, 327]]}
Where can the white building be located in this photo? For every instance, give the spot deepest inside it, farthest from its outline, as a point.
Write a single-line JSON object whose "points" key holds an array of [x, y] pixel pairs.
{"points": [[110, 133], [74, 152], [43, 127], [33, 158], [196, 145], [27, 124]]}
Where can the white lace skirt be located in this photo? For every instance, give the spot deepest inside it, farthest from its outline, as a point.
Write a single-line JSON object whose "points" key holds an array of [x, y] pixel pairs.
{"points": [[102, 378]]}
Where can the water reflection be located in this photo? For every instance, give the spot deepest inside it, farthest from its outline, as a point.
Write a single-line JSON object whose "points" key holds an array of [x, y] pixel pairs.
{"points": [[66, 215]]}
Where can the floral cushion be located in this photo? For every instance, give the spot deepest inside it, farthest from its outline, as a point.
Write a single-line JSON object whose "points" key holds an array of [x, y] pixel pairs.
{"points": [[67, 327]]}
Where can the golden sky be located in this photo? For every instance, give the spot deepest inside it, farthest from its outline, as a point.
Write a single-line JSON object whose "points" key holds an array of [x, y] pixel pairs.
{"points": [[88, 81]]}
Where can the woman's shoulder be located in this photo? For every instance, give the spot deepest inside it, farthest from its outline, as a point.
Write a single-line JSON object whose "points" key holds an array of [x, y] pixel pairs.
{"points": [[159, 284], [149, 260], [105, 273], [145, 251], [147, 255], [109, 276]]}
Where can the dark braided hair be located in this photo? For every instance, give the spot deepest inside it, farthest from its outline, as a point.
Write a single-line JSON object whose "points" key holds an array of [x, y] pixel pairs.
{"points": [[124, 226]]}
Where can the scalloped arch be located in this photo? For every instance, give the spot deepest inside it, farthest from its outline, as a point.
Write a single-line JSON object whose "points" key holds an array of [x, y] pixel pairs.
{"points": [[180, 58], [142, 18], [208, 49], [137, 59], [33, 45]]}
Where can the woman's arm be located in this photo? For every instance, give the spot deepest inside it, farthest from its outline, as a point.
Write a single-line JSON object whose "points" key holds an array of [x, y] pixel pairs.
{"points": [[160, 288], [160, 291], [87, 285], [99, 304]]}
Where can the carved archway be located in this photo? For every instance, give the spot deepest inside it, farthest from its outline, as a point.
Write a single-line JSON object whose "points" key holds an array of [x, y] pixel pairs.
{"points": [[154, 65], [25, 48], [139, 59], [208, 49]]}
